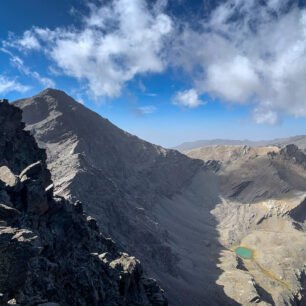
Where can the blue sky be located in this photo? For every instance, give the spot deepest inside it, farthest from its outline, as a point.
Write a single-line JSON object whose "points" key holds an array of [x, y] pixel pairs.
{"points": [[166, 71]]}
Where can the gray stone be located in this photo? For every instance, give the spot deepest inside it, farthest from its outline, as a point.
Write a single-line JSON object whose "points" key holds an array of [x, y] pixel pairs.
{"points": [[8, 177]]}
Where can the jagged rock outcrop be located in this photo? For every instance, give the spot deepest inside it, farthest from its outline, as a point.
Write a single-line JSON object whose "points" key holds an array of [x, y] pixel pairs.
{"points": [[292, 152], [51, 253], [16, 150], [155, 203], [182, 217]]}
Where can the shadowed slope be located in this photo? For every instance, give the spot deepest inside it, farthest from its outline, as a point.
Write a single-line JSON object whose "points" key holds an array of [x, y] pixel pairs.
{"points": [[263, 193], [149, 200], [51, 253]]}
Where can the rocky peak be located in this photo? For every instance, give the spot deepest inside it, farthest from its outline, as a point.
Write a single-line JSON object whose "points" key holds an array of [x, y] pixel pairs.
{"points": [[292, 152], [18, 148], [119, 178], [51, 253]]}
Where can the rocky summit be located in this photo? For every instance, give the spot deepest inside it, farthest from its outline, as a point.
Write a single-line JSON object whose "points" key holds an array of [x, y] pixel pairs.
{"points": [[51, 252], [185, 216], [148, 199]]}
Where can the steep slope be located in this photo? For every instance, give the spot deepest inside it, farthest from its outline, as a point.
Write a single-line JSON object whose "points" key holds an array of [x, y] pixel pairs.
{"points": [[263, 192], [145, 197], [183, 217], [299, 141], [50, 252]]}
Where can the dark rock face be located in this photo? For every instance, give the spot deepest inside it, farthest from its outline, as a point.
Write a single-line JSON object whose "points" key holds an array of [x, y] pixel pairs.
{"points": [[120, 179], [51, 253], [165, 207], [16, 150], [292, 152]]}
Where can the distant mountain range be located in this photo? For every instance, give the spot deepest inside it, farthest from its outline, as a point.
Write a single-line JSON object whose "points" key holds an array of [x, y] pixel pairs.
{"points": [[299, 141]]}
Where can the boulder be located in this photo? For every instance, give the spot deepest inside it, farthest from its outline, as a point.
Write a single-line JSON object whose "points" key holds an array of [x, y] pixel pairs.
{"points": [[8, 177], [127, 264], [12, 302]]}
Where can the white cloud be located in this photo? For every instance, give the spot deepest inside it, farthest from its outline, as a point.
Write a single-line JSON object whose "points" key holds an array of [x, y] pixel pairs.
{"points": [[19, 64], [187, 98], [27, 42], [233, 81], [258, 59], [265, 116], [117, 41], [9, 85]]}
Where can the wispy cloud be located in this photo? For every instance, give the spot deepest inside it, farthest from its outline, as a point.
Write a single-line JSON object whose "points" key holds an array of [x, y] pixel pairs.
{"points": [[151, 94], [8, 85], [27, 42], [19, 64], [147, 109], [144, 110]]}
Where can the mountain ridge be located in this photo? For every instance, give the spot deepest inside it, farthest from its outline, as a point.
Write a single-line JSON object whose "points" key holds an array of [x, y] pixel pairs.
{"points": [[51, 253], [299, 140], [127, 184], [183, 217]]}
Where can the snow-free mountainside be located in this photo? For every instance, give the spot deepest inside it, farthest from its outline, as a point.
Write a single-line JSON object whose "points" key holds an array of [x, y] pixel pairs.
{"points": [[183, 215], [51, 253]]}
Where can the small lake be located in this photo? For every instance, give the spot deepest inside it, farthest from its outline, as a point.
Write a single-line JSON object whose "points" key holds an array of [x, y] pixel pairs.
{"points": [[244, 252]]}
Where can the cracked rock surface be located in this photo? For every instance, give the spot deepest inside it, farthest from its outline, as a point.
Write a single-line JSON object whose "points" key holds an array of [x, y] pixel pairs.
{"points": [[50, 251]]}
